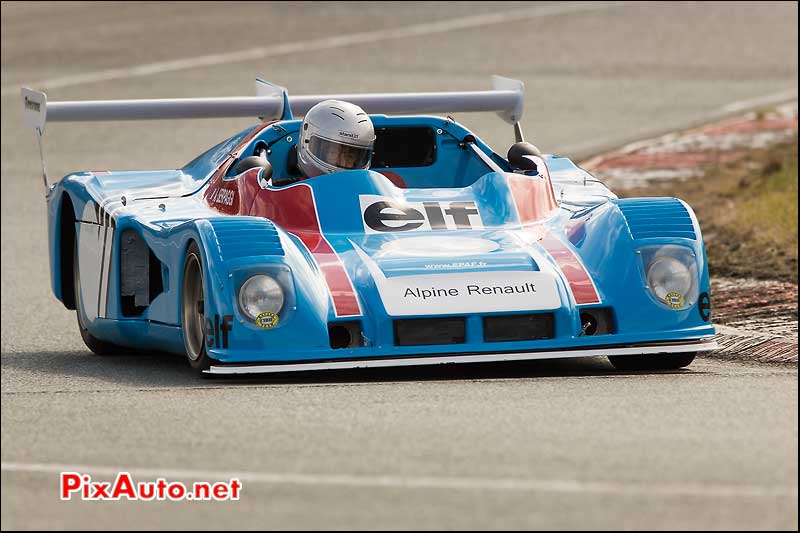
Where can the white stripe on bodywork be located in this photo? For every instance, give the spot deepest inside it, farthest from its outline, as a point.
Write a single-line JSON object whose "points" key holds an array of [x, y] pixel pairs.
{"points": [[101, 279], [95, 234], [90, 235], [703, 346], [107, 209], [105, 277]]}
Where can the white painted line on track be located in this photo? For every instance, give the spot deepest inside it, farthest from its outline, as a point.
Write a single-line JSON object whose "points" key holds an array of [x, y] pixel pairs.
{"points": [[726, 110], [703, 490], [750, 103], [325, 43]]}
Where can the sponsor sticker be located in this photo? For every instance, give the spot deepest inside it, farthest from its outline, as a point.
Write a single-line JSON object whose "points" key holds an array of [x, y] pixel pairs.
{"points": [[674, 300], [267, 320], [704, 306], [33, 106], [468, 292], [456, 265], [218, 330], [382, 214]]}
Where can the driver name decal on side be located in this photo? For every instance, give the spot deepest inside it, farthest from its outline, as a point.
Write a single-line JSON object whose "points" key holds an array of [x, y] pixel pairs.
{"points": [[381, 214], [222, 196]]}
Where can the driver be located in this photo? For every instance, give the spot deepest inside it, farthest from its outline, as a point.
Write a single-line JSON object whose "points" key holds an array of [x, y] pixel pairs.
{"points": [[334, 136]]}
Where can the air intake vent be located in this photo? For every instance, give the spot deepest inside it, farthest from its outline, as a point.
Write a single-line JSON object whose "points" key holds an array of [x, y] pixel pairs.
{"points": [[657, 217], [518, 327], [344, 334], [247, 237], [428, 331]]}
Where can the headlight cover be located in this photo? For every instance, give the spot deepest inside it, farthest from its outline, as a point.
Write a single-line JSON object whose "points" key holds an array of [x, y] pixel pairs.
{"points": [[671, 275], [260, 294]]}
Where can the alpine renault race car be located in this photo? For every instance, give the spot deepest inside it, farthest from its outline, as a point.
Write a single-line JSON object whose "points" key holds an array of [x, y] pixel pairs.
{"points": [[442, 251]]}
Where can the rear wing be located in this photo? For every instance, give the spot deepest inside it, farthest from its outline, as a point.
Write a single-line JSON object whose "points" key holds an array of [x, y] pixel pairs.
{"points": [[272, 102]]}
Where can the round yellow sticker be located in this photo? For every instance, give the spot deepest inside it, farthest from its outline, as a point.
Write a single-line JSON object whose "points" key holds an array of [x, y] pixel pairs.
{"points": [[267, 320], [674, 299]]}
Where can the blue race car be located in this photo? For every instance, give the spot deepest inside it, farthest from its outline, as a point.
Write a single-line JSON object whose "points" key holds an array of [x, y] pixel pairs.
{"points": [[441, 252]]}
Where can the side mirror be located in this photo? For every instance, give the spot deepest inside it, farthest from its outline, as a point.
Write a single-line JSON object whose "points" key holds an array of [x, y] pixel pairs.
{"points": [[518, 156], [254, 161]]}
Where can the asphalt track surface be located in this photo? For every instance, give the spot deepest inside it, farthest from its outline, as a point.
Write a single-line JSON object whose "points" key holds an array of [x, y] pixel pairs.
{"points": [[556, 444]]}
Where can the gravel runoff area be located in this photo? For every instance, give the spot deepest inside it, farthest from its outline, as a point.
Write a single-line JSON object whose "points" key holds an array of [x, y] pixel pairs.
{"points": [[756, 319]]}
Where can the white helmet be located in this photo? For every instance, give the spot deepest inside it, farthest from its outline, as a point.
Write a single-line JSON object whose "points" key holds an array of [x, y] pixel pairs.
{"points": [[335, 136]]}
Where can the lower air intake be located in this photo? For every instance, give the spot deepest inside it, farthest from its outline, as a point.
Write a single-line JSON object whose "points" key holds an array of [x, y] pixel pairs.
{"points": [[427, 331], [344, 334], [518, 327]]}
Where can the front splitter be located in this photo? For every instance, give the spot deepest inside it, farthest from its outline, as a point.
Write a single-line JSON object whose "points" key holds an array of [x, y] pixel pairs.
{"points": [[699, 345]]}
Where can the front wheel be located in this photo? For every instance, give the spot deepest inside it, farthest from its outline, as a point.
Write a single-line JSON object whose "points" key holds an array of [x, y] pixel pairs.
{"points": [[193, 310], [663, 361]]}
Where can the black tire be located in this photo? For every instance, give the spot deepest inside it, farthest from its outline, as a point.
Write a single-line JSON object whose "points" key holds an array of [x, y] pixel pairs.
{"points": [[192, 309], [662, 361], [100, 347]]}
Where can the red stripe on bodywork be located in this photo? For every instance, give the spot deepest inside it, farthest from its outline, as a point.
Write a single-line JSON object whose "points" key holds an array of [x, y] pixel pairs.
{"points": [[224, 195], [395, 178], [237, 152], [294, 209], [535, 201], [533, 195], [577, 277]]}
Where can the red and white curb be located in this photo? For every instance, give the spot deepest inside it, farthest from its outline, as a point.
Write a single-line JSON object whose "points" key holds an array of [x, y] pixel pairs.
{"points": [[759, 317], [683, 154], [735, 343]]}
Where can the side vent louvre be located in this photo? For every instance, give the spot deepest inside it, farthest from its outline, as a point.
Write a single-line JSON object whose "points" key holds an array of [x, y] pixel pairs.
{"points": [[247, 237], [140, 274], [657, 217]]}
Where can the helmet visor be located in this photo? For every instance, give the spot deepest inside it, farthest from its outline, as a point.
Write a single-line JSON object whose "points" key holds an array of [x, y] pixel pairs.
{"points": [[339, 155]]}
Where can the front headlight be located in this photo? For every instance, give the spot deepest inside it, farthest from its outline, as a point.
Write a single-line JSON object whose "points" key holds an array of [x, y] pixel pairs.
{"points": [[671, 273], [668, 275], [260, 294]]}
